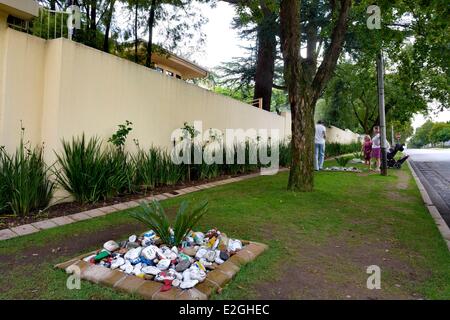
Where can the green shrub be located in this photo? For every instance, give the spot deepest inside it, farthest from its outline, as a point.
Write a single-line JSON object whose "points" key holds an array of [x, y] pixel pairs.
{"points": [[90, 174], [148, 167], [154, 217], [285, 153], [171, 173], [336, 149], [119, 138], [343, 161], [24, 180]]}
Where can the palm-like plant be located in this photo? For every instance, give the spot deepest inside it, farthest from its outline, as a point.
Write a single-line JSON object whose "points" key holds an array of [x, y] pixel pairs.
{"points": [[343, 161], [24, 180], [154, 216]]}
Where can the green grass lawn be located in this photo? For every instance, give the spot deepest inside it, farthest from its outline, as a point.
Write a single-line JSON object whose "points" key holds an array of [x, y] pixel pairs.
{"points": [[320, 243]]}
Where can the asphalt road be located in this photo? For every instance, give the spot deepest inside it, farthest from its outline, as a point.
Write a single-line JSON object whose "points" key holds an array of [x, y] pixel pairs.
{"points": [[432, 166]]}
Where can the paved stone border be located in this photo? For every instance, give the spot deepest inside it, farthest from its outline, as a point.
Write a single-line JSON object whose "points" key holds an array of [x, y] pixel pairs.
{"points": [[440, 223], [98, 212], [150, 290]]}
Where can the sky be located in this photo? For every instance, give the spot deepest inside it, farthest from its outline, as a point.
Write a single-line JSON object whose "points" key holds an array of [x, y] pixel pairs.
{"points": [[223, 43]]}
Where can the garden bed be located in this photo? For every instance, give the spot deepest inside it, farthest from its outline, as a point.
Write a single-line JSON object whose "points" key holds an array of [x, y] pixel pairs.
{"points": [[200, 267], [67, 208]]}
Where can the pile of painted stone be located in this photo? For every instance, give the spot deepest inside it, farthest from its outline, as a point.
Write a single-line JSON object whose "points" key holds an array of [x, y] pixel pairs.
{"points": [[184, 266], [346, 169]]}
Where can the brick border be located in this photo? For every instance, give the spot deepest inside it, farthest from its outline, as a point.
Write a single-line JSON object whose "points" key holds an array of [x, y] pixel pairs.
{"points": [[37, 226], [215, 280], [434, 212]]}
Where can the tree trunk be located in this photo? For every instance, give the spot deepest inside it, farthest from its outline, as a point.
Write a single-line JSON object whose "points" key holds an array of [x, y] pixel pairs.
{"points": [[151, 22], [93, 25], [108, 26], [52, 4], [305, 87], [301, 176], [265, 63], [302, 119], [136, 32]]}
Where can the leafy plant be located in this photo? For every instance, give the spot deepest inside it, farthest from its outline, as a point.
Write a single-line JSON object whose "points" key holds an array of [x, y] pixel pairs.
{"points": [[90, 174], [358, 155], [148, 167], [335, 149], [24, 181], [343, 161], [118, 139], [154, 216], [285, 153]]}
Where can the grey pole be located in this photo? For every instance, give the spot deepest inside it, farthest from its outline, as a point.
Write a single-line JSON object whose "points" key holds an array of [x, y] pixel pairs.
{"points": [[380, 78], [392, 135]]}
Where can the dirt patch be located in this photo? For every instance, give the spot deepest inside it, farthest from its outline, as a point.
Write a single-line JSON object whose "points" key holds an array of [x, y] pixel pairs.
{"points": [[337, 270], [67, 247]]}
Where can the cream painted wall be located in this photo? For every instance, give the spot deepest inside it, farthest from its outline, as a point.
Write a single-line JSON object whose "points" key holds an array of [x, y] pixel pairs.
{"points": [[21, 87], [61, 88], [335, 134]]}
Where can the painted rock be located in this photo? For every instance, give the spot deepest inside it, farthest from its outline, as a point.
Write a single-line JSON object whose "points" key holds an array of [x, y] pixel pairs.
{"points": [[149, 252], [176, 283], [200, 253], [234, 245], [224, 255], [151, 270], [182, 265], [111, 245], [188, 284], [210, 256], [117, 262], [190, 251], [163, 264]]}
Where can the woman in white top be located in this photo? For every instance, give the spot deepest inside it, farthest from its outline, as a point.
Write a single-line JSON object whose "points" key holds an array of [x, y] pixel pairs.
{"points": [[376, 147]]}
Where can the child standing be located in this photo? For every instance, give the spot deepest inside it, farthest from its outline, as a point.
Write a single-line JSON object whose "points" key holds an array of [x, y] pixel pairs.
{"points": [[367, 150], [376, 148]]}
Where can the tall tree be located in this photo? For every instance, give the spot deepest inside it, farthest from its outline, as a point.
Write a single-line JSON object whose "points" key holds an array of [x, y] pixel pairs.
{"points": [[108, 21], [305, 82]]}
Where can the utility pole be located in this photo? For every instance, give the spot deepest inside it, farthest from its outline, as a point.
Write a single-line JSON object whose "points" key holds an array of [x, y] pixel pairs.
{"points": [[380, 78], [392, 136]]}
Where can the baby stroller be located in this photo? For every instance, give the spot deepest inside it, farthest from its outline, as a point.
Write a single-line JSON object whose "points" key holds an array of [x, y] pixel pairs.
{"points": [[391, 162]]}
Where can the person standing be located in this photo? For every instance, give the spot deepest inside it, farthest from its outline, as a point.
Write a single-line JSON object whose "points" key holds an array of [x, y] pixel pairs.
{"points": [[376, 147], [367, 150], [319, 145]]}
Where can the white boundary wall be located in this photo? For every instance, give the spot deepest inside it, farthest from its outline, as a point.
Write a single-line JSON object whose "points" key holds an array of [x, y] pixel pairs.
{"points": [[60, 88]]}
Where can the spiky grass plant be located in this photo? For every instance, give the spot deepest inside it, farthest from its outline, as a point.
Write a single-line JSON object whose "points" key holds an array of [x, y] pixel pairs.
{"points": [[285, 153], [171, 173], [154, 216], [343, 161], [24, 180], [148, 168], [90, 174]]}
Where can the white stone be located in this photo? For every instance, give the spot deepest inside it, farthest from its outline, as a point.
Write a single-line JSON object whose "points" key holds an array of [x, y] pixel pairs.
{"points": [[151, 270], [163, 264], [188, 284], [110, 246], [119, 261], [149, 252]]}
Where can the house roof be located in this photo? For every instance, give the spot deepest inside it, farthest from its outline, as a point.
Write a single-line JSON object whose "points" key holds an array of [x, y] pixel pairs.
{"points": [[23, 9], [188, 68]]}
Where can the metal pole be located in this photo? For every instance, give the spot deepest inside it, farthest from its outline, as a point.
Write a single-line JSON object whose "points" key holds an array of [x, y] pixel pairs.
{"points": [[380, 78], [392, 135]]}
